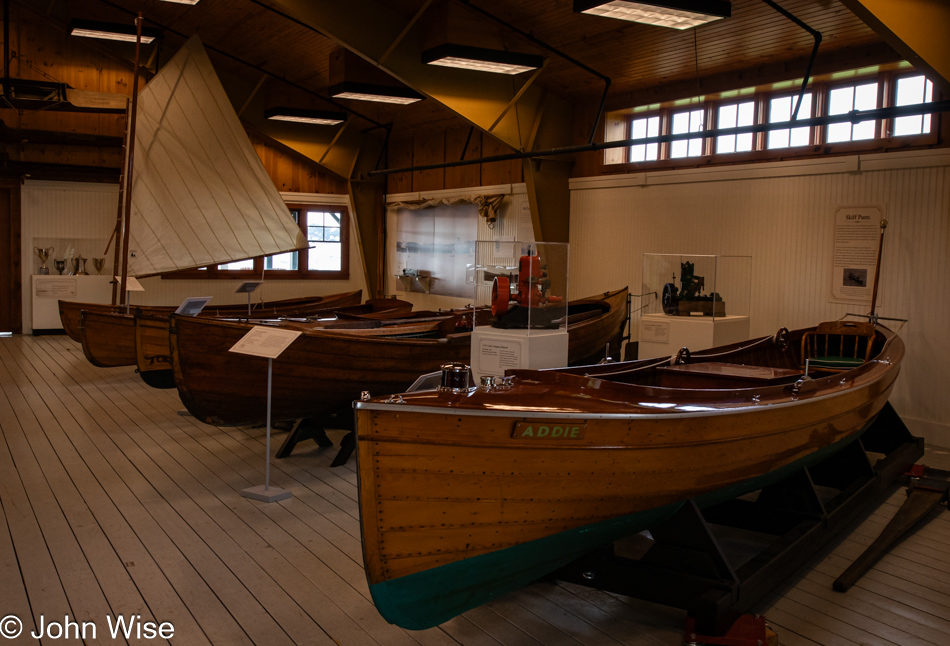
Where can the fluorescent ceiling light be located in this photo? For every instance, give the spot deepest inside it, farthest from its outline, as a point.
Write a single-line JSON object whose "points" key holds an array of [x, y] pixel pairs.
{"points": [[112, 31], [377, 93], [300, 115], [182, 1], [678, 14], [481, 59]]}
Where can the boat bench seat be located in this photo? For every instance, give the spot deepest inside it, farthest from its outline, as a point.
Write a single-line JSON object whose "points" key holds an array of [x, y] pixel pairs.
{"points": [[836, 346], [718, 375]]}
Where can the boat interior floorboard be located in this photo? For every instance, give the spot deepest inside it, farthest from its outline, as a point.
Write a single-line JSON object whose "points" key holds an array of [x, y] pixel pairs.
{"points": [[114, 504]]}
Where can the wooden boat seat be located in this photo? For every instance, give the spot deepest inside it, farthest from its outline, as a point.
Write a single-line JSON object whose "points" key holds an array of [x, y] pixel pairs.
{"points": [[718, 375], [836, 346]]}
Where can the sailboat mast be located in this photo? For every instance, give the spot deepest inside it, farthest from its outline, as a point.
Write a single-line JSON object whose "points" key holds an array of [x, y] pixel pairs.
{"points": [[877, 269], [130, 156]]}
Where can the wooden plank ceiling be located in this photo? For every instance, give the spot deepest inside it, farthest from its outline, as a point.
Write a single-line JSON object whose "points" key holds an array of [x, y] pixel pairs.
{"points": [[248, 38]]}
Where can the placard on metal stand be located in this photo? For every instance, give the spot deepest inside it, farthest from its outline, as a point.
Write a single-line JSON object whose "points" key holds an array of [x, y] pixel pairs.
{"points": [[267, 342], [132, 285], [248, 286], [193, 305]]}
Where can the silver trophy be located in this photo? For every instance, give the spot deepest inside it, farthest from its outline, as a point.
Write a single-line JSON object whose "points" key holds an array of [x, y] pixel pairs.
{"points": [[44, 253], [60, 266], [98, 263], [80, 263]]}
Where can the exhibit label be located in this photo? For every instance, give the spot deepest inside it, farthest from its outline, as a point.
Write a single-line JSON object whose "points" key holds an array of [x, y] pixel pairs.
{"points": [[857, 238]]}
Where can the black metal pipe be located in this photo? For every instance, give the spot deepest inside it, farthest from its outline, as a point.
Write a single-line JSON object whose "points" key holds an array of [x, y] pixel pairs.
{"points": [[855, 116], [570, 59], [814, 51]]}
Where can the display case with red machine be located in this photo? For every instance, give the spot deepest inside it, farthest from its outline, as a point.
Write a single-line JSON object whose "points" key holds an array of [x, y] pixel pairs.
{"points": [[526, 286]]}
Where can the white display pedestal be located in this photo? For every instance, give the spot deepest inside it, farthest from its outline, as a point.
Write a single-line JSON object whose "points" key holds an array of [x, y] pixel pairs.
{"points": [[662, 335], [495, 350], [48, 290]]}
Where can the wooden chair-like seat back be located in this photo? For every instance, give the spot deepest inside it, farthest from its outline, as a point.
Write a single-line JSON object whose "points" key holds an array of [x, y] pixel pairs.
{"points": [[836, 346]]}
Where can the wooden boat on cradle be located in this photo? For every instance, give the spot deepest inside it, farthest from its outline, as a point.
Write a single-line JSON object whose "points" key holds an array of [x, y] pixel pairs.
{"points": [[70, 311], [324, 370], [107, 334], [153, 357], [468, 493]]}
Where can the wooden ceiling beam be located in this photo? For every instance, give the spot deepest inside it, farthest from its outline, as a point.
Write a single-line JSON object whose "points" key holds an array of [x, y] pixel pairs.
{"points": [[918, 29]]}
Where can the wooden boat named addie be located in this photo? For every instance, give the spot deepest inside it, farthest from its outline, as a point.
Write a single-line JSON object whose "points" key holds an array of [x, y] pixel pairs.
{"points": [[466, 494]]}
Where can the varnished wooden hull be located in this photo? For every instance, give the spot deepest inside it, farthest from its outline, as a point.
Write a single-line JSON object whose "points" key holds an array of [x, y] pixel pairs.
{"points": [[108, 338], [70, 311], [108, 334], [322, 372], [459, 503]]}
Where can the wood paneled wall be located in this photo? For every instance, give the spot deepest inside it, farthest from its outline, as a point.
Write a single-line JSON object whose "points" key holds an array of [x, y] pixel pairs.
{"points": [[291, 172], [42, 52], [443, 146]]}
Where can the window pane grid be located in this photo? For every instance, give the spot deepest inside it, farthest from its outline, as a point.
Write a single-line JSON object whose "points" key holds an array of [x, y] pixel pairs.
{"points": [[683, 122], [640, 129]]}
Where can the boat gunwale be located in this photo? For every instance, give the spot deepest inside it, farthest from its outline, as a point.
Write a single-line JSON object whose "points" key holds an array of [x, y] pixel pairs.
{"points": [[863, 376]]}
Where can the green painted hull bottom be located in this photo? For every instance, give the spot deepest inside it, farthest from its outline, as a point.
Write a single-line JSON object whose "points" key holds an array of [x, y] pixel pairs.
{"points": [[431, 597]]}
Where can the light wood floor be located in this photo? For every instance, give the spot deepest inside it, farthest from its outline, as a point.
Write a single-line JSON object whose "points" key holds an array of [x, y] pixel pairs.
{"points": [[114, 504]]}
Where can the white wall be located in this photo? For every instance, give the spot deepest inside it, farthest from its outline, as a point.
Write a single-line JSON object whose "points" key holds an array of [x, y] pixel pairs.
{"points": [[82, 216], [782, 214]]}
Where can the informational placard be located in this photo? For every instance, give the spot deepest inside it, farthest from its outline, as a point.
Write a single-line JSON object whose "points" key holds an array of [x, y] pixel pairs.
{"points": [[498, 355], [54, 287], [132, 284], [248, 286], [857, 240], [267, 342], [192, 306], [655, 332]]}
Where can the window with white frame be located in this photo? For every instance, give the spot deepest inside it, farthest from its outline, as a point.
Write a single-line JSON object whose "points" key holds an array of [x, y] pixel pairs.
{"points": [[842, 100], [641, 128], [780, 111], [733, 115], [910, 90], [684, 122]]}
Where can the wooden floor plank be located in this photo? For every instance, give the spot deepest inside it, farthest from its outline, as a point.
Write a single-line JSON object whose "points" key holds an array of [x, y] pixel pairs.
{"points": [[147, 503]]}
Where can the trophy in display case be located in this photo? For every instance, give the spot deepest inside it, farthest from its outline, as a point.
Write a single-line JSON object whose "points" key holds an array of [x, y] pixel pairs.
{"points": [[80, 264], [43, 253], [60, 266], [98, 263]]}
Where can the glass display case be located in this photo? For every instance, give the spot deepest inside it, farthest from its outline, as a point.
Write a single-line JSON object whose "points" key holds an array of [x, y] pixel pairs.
{"points": [[520, 300], [700, 301]]}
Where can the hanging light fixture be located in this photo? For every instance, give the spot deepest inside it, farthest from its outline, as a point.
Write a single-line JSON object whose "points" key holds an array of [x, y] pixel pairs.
{"points": [[373, 92], [481, 59], [678, 14], [112, 31], [303, 115]]}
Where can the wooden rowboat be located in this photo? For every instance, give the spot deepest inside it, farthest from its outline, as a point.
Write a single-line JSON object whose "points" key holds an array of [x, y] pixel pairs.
{"points": [[107, 334], [153, 357], [324, 370], [467, 493], [69, 311]]}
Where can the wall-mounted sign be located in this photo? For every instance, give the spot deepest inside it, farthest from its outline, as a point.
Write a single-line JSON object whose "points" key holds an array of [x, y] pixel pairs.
{"points": [[857, 239]]}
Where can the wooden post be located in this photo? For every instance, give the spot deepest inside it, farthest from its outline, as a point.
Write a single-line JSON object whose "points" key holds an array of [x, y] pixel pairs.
{"points": [[877, 269], [130, 160]]}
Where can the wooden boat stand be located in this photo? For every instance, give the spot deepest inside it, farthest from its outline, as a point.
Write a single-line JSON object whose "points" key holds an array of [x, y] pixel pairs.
{"points": [[313, 429], [927, 489], [692, 562]]}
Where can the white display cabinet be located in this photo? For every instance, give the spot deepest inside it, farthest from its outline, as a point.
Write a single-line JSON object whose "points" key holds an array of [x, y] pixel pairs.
{"points": [[701, 301], [525, 286]]}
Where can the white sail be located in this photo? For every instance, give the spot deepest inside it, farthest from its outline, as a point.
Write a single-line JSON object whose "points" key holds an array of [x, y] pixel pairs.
{"points": [[200, 194]]}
